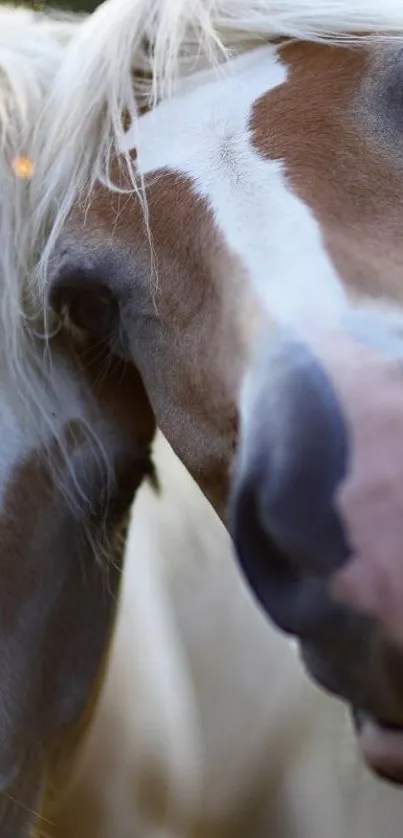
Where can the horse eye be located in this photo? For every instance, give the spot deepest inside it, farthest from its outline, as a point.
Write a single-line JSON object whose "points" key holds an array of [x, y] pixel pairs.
{"points": [[86, 303]]}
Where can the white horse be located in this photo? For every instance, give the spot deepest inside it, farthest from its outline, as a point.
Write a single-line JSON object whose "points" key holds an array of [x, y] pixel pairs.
{"points": [[207, 725]]}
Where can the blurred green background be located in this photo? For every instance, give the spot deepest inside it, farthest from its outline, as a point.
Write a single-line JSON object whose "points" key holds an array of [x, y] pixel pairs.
{"points": [[75, 5]]}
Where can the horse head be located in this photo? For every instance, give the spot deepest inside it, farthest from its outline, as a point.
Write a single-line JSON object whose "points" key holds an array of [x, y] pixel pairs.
{"points": [[241, 224]]}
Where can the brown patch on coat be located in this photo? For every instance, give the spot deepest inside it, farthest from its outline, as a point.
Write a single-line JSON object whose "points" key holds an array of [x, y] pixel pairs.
{"points": [[348, 175]]}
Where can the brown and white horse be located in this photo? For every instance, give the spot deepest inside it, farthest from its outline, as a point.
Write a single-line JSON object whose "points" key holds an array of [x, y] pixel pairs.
{"points": [[75, 434], [223, 186]]}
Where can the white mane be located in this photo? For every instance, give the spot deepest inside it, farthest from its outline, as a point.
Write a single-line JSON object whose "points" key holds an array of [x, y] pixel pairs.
{"points": [[31, 51], [31, 48]]}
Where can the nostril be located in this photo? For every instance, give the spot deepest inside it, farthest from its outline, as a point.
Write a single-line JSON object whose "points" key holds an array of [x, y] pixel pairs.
{"points": [[297, 602], [259, 558], [294, 457]]}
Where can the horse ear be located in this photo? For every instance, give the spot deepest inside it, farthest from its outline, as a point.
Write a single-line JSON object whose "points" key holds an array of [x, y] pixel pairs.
{"points": [[86, 303]]}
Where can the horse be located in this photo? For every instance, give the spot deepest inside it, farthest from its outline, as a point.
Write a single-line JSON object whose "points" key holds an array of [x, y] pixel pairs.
{"points": [[217, 195], [76, 430], [267, 752]]}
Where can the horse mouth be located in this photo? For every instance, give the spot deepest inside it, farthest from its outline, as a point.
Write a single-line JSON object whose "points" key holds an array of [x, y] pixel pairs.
{"points": [[381, 746]]}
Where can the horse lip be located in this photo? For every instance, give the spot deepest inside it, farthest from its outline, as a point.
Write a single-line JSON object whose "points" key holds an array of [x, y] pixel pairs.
{"points": [[381, 746]]}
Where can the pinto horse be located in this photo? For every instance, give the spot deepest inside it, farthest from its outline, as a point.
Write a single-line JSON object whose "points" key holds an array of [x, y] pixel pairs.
{"points": [[218, 196], [75, 437]]}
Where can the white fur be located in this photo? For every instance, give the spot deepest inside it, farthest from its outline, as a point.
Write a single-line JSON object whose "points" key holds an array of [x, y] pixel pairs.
{"points": [[21, 429], [14, 446], [204, 135]]}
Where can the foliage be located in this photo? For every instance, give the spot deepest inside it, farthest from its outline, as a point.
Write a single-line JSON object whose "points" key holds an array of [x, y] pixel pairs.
{"points": [[74, 5]]}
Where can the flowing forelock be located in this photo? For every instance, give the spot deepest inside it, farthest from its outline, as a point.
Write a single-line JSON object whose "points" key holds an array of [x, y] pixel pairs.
{"points": [[31, 46], [131, 53], [31, 49]]}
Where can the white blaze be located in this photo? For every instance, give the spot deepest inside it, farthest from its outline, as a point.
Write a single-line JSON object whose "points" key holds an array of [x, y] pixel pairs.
{"points": [[204, 134]]}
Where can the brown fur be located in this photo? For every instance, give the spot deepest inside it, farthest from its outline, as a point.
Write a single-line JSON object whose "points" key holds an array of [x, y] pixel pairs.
{"points": [[350, 176], [188, 310]]}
